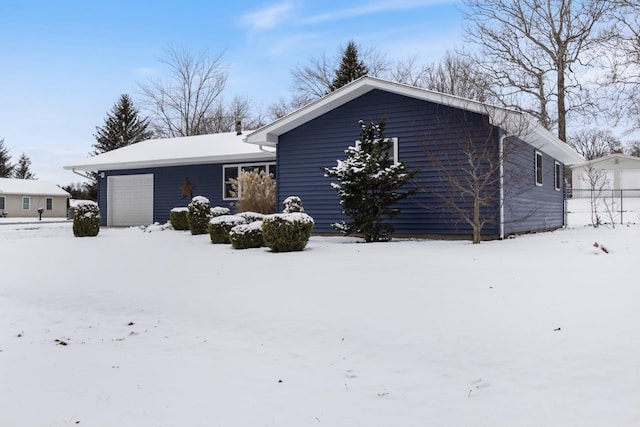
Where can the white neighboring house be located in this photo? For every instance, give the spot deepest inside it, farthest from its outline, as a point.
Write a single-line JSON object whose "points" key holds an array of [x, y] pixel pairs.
{"points": [[622, 173], [23, 198]]}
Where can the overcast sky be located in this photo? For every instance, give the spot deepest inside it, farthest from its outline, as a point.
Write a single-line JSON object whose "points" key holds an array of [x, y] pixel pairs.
{"points": [[64, 63]]}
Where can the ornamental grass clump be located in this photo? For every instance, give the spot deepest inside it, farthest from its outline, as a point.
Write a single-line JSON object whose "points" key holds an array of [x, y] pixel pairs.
{"points": [[199, 215], [220, 226], [86, 219], [245, 236], [178, 218], [287, 232], [255, 190]]}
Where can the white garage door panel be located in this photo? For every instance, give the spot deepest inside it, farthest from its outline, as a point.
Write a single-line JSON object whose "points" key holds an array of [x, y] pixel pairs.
{"points": [[630, 178], [130, 200]]}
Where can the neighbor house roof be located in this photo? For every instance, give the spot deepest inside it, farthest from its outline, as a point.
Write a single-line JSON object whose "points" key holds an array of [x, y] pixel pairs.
{"points": [[187, 150], [610, 157], [30, 187], [514, 122]]}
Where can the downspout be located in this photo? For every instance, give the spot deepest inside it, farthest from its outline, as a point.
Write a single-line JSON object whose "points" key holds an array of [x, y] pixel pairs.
{"points": [[501, 159]]}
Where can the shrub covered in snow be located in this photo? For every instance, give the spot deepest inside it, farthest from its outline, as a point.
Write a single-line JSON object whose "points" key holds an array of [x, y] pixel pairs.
{"points": [[178, 218], [219, 211], [287, 232], [220, 226], [251, 216], [86, 219], [245, 236], [199, 215], [292, 204]]}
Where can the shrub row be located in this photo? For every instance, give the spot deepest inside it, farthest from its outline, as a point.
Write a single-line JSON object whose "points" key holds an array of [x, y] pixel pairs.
{"points": [[288, 231]]}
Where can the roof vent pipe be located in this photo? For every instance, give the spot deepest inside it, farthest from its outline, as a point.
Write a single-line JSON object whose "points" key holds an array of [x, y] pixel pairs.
{"points": [[238, 127]]}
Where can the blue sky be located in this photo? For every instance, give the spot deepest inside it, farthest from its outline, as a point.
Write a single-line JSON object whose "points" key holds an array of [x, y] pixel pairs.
{"points": [[64, 63]]}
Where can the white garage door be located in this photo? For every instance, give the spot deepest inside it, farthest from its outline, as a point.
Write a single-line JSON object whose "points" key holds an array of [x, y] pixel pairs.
{"points": [[630, 181], [130, 200]]}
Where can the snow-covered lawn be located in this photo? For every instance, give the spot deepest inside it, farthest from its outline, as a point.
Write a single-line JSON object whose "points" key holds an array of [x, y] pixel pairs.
{"points": [[162, 328]]}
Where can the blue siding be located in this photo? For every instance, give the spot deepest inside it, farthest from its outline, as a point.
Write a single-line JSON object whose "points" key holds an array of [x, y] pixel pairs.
{"points": [[529, 207], [418, 125], [167, 193]]}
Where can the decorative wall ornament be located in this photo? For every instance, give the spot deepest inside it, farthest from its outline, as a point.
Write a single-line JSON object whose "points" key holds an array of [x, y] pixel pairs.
{"points": [[187, 189]]}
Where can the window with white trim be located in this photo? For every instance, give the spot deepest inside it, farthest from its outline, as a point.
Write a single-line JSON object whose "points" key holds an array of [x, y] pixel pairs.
{"points": [[558, 176], [538, 168], [393, 153], [2, 205], [230, 172], [49, 203], [26, 203]]}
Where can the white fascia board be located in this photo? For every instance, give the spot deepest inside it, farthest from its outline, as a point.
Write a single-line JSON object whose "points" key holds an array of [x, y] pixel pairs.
{"points": [[171, 162]]}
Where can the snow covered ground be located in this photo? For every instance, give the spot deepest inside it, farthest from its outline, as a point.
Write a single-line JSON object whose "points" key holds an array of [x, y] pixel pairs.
{"points": [[162, 328]]}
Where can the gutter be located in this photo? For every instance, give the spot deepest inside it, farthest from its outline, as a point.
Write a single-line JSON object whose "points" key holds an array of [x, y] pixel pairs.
{"points": [[82, 175]]}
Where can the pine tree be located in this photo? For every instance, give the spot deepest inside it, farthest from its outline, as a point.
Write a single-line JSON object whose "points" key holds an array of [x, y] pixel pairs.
{"points": [[6, 168], [122, 126], [22, 170], [369, 185], [351, 67]]}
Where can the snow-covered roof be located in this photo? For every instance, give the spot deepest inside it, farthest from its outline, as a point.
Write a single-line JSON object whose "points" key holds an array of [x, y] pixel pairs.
{"points": [[187, 150], [514, 122], [30, 187], [610, 157]]}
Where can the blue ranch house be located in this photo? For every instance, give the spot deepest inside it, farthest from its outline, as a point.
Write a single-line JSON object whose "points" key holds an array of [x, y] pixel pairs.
{"points": [[454, 144]]}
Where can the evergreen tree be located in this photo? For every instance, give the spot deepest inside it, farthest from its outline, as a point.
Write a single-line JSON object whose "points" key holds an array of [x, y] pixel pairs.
{"points": [[6, 168], [369, 185], [22, 170], [351, 67], [122, 126]]}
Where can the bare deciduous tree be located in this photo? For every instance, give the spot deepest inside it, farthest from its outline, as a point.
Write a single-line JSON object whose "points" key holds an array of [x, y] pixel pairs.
{"points": [[225, 117], [183, 104], [597, 184], [594, 143], [455, 74], [624, 57], [314, 78], [536, 52], [477, 171]]}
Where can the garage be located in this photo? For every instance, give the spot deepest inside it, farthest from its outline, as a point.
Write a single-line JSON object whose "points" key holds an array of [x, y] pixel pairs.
{"points": [[130, 200]]}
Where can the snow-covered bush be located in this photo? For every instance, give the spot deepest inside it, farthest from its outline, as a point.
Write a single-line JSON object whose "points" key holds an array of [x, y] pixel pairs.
{"points": [[287, 232], [178, 218], [199, 215], [219, 211], [292, 204], [245, 236], [220, 226], [86, 219], [251, 216]]}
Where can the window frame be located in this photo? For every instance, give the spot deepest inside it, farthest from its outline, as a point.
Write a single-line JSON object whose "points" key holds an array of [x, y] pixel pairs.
{"points": [[557, 175], [270, 168], [3, 203], [48, 203], [539, 168], [394, 149], [26, 199]]}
